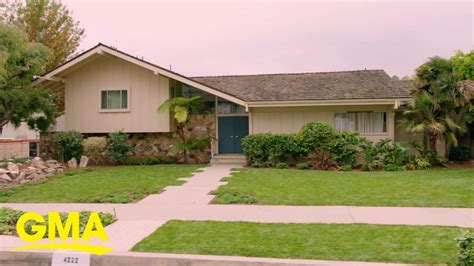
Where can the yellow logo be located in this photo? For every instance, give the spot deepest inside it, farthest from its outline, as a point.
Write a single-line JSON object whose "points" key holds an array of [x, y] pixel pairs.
{"points": [[54, 227]]}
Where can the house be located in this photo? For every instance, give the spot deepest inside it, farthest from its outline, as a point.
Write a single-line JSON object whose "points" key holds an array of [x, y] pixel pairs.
{"points": [[107, 90]]}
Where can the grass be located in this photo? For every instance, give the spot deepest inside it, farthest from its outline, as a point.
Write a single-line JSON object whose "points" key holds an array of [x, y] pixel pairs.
{"points": [[9, 218], [114, 184], [350, 242], [430, 188]]}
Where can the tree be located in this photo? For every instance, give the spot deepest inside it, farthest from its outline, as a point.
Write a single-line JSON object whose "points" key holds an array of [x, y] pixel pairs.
{"points": [[20, 99], [181, 108], [48, 22], [438, 106], [463, 65]]}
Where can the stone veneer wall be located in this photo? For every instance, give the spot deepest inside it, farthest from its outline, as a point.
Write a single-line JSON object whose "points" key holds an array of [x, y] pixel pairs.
{"points": [[199, 126]]}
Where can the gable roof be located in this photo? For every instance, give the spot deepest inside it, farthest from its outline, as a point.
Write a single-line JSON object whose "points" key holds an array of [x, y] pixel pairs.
{"points": [[244, 89], [101, 49], [343, 85]]}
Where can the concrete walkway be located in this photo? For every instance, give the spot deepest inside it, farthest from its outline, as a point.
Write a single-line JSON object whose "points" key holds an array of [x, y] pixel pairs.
{"points": [[190, 201]]}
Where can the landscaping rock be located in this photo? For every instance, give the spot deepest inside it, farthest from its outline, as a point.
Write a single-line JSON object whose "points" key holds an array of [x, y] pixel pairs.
{"points": [[37, 161], [5, 177], [4, 171], [83, 162], [72, 163]]}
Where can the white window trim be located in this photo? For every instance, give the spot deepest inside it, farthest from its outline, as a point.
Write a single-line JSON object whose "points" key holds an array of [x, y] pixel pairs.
{"points": [[120, 110]]}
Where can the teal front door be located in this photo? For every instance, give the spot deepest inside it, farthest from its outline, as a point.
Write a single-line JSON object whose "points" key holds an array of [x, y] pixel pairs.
{"points": [[231, 131]]}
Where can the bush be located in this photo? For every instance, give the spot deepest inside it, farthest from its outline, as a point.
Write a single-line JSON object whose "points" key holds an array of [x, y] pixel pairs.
{"points": [[268, 149], [68, 144], [281, 165], [302, 166], [385, 155], [321, 160], [315, 135], [150, 160], [118, 147], [346, 147], [465, 256], [460, 153], [418, 162], [94, 148]]}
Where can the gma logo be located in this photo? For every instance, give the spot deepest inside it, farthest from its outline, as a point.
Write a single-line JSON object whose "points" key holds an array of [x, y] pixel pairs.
{"points": [[55, 227]]}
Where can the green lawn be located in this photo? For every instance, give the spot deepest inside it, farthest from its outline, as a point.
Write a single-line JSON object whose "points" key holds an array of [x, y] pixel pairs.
{"points": [[113, 184], [356, 242], [431, 188]]}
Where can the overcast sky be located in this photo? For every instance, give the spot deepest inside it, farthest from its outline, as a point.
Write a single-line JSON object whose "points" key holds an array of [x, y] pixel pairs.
{"points": [[248, 37]]}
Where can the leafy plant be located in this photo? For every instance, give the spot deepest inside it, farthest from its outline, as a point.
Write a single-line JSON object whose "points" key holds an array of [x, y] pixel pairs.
{"points": [[460, 153], [118, 147], [321, 160], [150, 160], [465, 256], [315, 135], [68, 144], [418, 162], [302, 166], [346, 147], [385, 155], [181, 108], [281, 165], [94, 148]]}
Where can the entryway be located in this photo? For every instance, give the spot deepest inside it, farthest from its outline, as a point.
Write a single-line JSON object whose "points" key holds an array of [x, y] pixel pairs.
{"points": [[231, 131]]}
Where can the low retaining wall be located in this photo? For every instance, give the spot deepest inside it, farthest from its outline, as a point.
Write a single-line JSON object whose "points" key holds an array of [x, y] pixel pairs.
{"points": [[15, 148], [199, 126]]}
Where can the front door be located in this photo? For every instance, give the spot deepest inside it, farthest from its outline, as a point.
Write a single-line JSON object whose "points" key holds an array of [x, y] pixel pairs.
{"points": [[231, 131]]}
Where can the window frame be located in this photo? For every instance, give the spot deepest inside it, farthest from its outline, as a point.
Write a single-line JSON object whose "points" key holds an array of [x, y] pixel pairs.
{"points": [[114, 110], [385, 117]]}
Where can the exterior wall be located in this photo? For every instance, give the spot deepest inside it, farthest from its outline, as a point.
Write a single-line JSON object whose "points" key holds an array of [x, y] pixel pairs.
{"points": [[292, 119], [22, 132], [15, 149], [146, 92]]}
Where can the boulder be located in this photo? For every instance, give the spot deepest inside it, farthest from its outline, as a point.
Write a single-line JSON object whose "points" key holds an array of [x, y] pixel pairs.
{"points": [[5, 178], [37, 161], [72, 163], [4, 171], [13, 168], [84, 161]]}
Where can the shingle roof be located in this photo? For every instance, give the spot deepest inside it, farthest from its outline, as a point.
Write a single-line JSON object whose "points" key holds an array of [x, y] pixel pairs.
{"points": [[359, 84]]}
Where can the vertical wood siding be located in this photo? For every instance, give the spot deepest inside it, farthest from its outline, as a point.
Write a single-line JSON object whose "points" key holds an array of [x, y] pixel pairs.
{"points": [[146, 92], [292, 119]]}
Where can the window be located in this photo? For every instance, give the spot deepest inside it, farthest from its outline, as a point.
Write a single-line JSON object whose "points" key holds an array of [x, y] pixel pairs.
{"points": [[114, 99], [229, 108], [363, 122]]}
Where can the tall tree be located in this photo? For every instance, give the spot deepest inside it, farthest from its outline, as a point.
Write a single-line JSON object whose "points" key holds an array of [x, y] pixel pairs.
{"points": [[20, 99], [48, 22], [438, 105]]}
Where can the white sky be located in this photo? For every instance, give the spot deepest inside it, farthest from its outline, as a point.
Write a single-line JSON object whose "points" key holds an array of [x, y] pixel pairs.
{"points": [[248, 37]]}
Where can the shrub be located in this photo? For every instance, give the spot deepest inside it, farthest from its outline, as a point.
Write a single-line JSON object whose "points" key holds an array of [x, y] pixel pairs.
{"points": [[281, 165], [117, 147], [346, 147], [418, 162], [302, 166], [268, 149], [8, 220], [465, 256], [94, 148], [321, 160], [346, 167], [460, 153], [385, 155], [315, 135], [68, 144], [150, 160]]}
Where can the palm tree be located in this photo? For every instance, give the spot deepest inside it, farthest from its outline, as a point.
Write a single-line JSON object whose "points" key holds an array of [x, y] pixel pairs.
{"points": [[438, 104], [181, 108]]}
